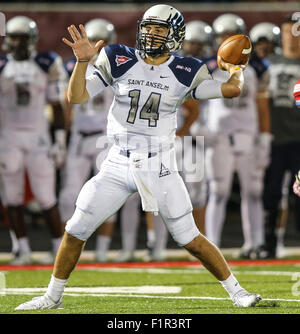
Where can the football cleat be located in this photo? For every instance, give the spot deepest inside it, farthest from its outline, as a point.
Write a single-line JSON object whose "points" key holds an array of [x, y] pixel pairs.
{"points": [[21, 259], [101, 257], [245, 299], [47, 259], [39, 303], [125, 256]]}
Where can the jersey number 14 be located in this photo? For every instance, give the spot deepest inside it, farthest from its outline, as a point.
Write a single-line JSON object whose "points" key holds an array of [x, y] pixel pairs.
{"points": [[149, 110]]}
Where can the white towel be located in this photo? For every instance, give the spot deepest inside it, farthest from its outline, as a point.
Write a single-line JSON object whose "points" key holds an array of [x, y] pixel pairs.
{"points": [[144, 181]]}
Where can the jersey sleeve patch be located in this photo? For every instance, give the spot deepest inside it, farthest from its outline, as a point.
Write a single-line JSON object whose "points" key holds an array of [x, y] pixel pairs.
{"points": [[121, 59], [45, 60], [69, 65], [185, 69], [3, 62]]}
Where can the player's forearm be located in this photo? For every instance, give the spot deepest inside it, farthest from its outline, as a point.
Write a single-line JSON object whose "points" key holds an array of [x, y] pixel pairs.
{"points": [[263, 109], [58, 116], [77, 92], [234, 85], [191, 113]]}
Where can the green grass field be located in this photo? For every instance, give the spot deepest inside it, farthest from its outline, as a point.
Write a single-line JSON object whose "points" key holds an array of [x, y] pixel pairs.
{"points": [[157, 290]]}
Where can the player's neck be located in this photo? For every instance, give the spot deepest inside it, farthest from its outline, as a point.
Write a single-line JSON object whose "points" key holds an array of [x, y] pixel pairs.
{"points": [[291, 54], [156, 60]]}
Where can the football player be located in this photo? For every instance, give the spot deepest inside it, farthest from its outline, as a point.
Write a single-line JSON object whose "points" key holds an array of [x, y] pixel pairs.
{"points": [[265, 38], [28, 81], [241, 126], [284, 73], [142, 124], [198, 44], [88, 124]]}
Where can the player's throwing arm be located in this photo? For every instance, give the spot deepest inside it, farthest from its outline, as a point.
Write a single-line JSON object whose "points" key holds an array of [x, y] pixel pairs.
{"points": [[83, 52]]}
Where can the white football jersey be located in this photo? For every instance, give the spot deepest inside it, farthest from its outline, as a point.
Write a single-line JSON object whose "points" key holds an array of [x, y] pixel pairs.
{"points": [[146, 96], [27, 86], [91, 116], [227, 116]]}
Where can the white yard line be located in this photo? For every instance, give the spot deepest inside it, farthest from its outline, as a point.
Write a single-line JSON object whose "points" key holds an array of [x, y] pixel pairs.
{"points": [[152, 289], [20, 292], [190, 271]]}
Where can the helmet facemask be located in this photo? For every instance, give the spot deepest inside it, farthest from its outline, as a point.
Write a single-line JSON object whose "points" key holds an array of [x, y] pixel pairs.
{"points": [[151, 44], [19, 45]]}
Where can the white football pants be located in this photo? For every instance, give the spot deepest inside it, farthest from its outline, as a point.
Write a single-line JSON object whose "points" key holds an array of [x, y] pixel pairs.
{"points": [[222, 161], [106, 192], [83, 159], [22, 150]]}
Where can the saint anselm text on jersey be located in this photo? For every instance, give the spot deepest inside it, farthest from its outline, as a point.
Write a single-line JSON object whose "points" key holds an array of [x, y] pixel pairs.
{"points": [[148, 83]]}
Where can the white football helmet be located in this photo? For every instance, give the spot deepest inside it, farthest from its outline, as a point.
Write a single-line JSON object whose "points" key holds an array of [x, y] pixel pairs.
{"points": [[101, 29], [265, 31], [229, 23], [166, 16], [20, 26], [198, 31]]}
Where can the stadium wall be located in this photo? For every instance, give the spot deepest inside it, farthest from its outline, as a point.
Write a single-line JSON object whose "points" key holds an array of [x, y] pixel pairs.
{"points": [[53, 19]]}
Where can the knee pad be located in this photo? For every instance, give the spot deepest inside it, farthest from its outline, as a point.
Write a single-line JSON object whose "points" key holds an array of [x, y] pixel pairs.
{"points": [[256, 185], [46, 198], [81, 225], [11, 162], [256, 189], [182, 229], [219, 187], [12, 194]]}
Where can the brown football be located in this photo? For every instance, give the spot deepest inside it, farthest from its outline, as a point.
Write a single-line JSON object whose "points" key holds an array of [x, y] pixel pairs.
{"points": [[235, 50]]}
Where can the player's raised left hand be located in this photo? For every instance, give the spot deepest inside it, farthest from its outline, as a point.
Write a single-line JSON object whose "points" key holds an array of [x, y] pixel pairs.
{"points": [[82, 48]]}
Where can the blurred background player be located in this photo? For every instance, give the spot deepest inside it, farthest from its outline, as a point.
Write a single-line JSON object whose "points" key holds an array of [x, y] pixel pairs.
{"points": [[198, 43], [89, 122], [28, 81], [240, 126], [266, 40], [285, 124]]}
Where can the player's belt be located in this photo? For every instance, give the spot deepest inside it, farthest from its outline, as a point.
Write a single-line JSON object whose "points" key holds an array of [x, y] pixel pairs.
{"points": [[92, 133], [127, 153]]}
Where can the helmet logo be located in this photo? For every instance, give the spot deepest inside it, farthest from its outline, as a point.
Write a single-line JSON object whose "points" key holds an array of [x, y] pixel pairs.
{"points": [[120, 60]]}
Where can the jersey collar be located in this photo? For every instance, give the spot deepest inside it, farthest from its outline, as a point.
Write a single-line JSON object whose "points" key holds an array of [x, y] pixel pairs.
{"points": [[153, 67]]}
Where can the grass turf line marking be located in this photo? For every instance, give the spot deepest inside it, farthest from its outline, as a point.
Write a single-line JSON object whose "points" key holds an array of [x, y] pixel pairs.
{"points": [[155, 297], [152, 289], [189, 271]]}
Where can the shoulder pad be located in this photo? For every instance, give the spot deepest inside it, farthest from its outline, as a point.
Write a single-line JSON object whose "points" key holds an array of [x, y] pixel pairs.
{"points": [[3, 62], [45, 60], [259, 65], [121, 58], [185, 69]]}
